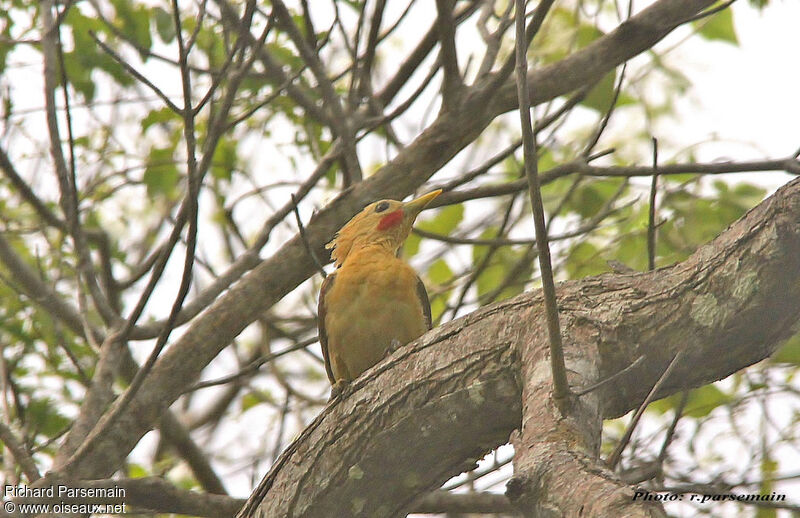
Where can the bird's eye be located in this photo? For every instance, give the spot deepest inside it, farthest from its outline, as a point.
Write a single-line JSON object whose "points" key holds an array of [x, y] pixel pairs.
{"points": [[382, 206]]}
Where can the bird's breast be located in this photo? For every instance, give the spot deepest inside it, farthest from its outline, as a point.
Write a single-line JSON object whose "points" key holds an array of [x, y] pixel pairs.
{"points": [[371, 305]]}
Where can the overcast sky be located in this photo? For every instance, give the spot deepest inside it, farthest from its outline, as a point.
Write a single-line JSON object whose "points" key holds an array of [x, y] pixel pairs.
{"points": [[748, 95]]}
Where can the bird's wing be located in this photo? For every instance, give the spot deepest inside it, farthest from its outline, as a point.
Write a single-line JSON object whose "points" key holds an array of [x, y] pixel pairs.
{"points": [[323, 335], [426, 304]]}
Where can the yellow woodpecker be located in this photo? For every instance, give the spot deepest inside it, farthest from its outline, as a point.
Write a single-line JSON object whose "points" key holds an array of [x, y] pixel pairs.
{"points": [[373, 302]]}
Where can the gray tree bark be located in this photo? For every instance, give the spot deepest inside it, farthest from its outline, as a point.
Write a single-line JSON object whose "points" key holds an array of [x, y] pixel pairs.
{"points": [[273, 278], [429, 411]]}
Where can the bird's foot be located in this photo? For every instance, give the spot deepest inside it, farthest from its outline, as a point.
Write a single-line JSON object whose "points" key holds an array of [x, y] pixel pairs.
{"points": [[339, 389], [393, 346]]}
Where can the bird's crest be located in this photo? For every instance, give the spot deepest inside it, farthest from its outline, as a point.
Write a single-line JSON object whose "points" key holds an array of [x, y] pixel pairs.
{"points": [[364, 227]]}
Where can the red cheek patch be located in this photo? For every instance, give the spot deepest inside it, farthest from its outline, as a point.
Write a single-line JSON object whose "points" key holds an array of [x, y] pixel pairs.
{"points": [[391, 219]]}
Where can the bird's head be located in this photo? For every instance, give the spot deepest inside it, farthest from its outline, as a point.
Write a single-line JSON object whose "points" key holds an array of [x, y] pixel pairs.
{"points": [[384, 223]]}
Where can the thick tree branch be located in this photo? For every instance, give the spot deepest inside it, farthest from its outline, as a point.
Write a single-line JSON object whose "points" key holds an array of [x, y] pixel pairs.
{"points": [[590, 64], [448, 56], [561, 390], [290, 265], [790, 165], [158, 495], [728, 306]]}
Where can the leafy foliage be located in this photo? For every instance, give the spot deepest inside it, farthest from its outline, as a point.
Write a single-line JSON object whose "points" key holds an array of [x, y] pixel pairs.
{"points": [[265, 123]]}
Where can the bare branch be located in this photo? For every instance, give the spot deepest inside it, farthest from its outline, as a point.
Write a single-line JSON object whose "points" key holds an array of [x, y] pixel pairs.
{"points": [[363, 73], [135, 73], [613, 459], [452, 85], [271, 279], [651, 213], [19, 453], [66, 176], [445, 502], [340, 121], [790, 165], [190, 203], [561, 390], [39, 292]]}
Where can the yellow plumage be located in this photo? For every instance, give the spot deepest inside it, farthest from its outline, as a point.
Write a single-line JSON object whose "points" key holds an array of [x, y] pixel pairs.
{"points": [[374, 302]]}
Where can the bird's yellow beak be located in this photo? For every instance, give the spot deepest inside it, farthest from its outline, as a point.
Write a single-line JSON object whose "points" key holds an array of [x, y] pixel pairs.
{"points": [[414, 207]]}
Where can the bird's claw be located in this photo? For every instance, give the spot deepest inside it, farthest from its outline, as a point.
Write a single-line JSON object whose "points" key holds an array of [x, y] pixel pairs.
{"points": [[393, 346], [338, 389]]}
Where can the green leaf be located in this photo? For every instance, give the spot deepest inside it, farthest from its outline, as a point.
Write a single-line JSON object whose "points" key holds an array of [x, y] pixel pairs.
{"points": [[600, 96], [438, 307], [6, 22], [45, 417], [705, 399], [164, 24], [718, 27], [439, 272], [161, 175], [134, 22], [584, 259], [446, 220], [137, 471], [224, 161], [79, 76], [500, 265], [591, 196], [249, 400], [789, 352], [158, 116], [700, 403]]}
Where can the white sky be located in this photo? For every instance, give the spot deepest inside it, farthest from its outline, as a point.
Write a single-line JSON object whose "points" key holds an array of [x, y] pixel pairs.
{"points": [[748, 95]]}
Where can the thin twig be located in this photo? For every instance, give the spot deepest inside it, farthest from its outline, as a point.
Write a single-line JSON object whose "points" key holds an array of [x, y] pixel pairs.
{"points": [[478, 270], [41, 208], [239, 46], [561, 390], [245, 262], [790, 165], [192, 213], [362, 75], [662, 455], [250, 368], [306, 244], [583, 229], [135, 73], [410, 65], [40, 292], [340, 121], [609, 112], [530, 256], [85, 269], [281, 427], [507, 68], [651, 217], [709, 12], [616, 375], [68, 198], [617, 453], [17, 450]]}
